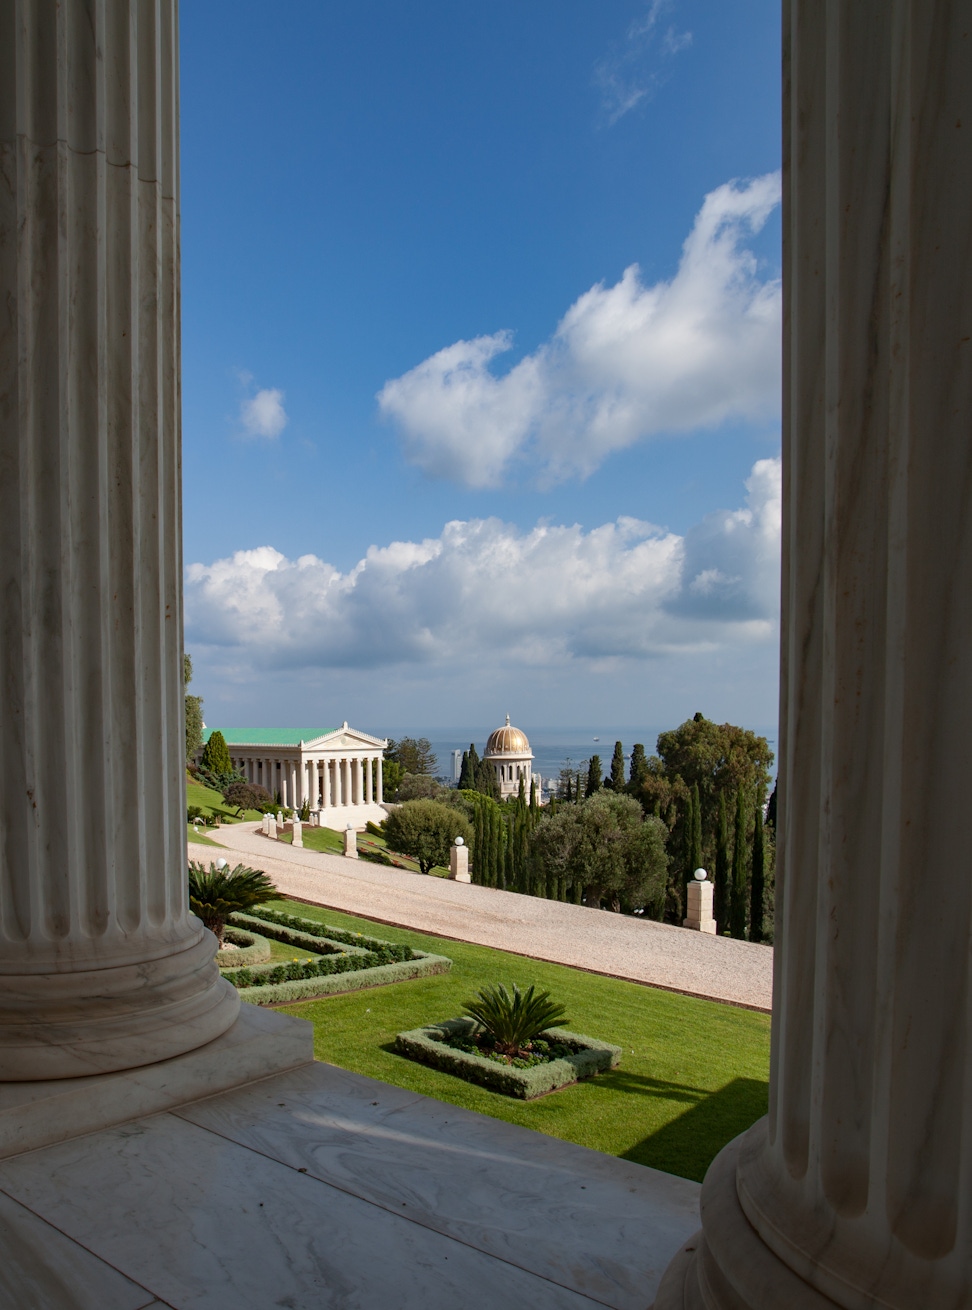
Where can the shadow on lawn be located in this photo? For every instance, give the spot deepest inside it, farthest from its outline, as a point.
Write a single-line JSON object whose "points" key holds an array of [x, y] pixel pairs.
{"points": [[688, 1144]]}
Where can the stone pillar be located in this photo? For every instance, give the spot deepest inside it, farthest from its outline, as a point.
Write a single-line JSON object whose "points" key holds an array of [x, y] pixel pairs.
{"points": [[459, 861], [855, 1191], [350, 842], [346, 782], [272, 828], [358, 781], [699, 906], [378, 781], [326, 784], [369, 781], [102, 967], [294, 789], [298, 833]]}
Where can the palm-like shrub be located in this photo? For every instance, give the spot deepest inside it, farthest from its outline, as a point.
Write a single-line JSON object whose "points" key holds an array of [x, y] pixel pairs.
{"points": [[513, 1019], [216, 893]]}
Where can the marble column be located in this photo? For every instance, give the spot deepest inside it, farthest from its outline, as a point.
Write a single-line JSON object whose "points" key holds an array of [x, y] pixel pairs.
{"points": [[102, 967], [294, 789], [379, 781], [359, 781], [346, 782], [326, 784], [369, 780], [856, 1191]]}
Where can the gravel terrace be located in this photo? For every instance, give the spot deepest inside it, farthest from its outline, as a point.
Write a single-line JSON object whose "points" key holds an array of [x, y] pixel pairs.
{"points": [[624, 947]]}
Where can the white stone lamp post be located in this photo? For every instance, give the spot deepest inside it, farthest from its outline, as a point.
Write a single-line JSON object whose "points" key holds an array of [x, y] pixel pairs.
{"points": [[699, 905], [350, 842], [459, 861]]}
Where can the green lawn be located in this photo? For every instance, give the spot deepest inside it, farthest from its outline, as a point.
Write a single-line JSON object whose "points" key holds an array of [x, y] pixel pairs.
{"points": [[200, 837], [693, 1074], [332, 843]]}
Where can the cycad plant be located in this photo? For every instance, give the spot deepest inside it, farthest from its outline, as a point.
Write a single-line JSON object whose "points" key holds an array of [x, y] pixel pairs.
{"points": [[217, 892], [513, 1019]]}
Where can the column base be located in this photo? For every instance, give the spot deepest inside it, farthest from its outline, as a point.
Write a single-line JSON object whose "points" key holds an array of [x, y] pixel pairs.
{"points": [[260, 1043], [726, 1265]]}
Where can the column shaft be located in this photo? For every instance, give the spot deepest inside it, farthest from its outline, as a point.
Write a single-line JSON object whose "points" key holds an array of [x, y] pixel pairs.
{"points": [[102, 965], [379, 780], [857, 1190], [369, 780]]}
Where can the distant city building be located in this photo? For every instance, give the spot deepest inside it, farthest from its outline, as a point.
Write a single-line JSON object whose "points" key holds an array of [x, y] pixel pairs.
{"points": [[456, 765], [508, 752], [337, 771]]}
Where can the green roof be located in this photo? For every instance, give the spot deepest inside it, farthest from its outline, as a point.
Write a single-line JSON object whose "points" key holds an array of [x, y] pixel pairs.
{"points": [[268, 736]]}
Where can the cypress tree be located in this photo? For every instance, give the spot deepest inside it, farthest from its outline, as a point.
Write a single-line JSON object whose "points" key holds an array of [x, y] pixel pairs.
{"points": [[578, 793], [737, 906], [639, 767], [617, 768], [467, 774], [593, 776], [216, 756], [721, 891], [534, 803], [569, 795], [695, 852], [486, 780], [479, 845], [758, 882]]}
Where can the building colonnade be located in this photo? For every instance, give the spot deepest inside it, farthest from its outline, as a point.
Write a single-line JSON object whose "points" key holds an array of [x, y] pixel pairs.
{"points": [[323, 782]]}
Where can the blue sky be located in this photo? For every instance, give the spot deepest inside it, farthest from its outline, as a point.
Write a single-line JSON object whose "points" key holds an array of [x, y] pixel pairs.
{"points": [[444, 457]]}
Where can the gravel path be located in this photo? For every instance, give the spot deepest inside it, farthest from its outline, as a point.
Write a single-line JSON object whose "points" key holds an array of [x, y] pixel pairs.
{"points": [[624, 947]]}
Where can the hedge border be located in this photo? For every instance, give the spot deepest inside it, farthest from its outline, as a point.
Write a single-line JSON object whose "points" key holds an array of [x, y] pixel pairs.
{"points": [[256, 951], [424, 1045], [353, 945], [306, 989]]}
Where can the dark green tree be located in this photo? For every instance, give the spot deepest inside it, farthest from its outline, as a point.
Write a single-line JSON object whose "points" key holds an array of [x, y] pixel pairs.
{"points": [[425, 830], [569, 793], [738, 906], [486, 780], [695, 844], [758, 883], [194, 718], [414, 754], [720, 895], [392, 774], [617, 781], [639, 768], [216, 757], [593, 777]]}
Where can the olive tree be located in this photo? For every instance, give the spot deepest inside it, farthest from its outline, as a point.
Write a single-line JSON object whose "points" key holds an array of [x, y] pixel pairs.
{"points": [[425, 830]]}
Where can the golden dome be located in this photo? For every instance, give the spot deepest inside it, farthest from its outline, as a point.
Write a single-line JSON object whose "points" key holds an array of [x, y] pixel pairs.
{"points": [[507, 741]]}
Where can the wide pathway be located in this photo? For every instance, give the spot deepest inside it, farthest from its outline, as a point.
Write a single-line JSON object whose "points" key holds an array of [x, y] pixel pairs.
{"points": [[619, 945]]}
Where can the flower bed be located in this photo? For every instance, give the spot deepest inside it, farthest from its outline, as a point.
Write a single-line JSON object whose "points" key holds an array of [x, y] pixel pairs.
{"points": [[449, 1046], [349, 961]]}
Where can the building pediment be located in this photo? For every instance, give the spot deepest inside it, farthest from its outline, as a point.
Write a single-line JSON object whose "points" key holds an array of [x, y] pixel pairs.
{"points": [[345, 738]]}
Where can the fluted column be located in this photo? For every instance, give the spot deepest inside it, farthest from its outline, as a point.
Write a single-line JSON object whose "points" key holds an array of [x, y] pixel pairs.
{"points": [[379, 780], [345, 782], [358, 781], [101, 965], [325, 783], [857, 1189], [369, 780]]}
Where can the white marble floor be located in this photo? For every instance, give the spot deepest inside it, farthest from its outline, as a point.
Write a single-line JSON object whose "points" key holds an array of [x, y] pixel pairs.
{"points": [[322, 1188]]}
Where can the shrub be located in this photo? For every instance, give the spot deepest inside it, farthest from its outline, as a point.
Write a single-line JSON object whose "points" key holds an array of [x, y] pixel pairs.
{"points": [[195, 814], [425, 830], [513, 1019], [215, 893]]}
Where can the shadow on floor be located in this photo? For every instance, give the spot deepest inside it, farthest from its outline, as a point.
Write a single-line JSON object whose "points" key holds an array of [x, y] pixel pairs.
{"points": [[688, 1144]]}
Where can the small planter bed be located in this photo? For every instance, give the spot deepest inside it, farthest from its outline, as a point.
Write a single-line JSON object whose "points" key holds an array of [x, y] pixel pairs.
{"points": [[348, 961], [557, 1059], [241, 949]]}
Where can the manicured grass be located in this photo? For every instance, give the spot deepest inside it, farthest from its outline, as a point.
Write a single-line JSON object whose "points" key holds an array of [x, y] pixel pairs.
{"points": [[211, 802], [284, 953], [693, 1074], [332, 843], [199, 837]]}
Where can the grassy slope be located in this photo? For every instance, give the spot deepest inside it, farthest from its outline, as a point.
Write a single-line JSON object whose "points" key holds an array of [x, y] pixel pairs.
{"points": [[693, 1074], [332, 843]]}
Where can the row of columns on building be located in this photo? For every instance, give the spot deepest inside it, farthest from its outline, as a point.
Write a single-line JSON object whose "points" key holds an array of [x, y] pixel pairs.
{"points": [[323, 783]]}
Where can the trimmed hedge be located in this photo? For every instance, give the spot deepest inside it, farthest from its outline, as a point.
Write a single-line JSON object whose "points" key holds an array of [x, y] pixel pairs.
{"points": [[425, 1045], [245, 948], [349, 961], [422, 966]]}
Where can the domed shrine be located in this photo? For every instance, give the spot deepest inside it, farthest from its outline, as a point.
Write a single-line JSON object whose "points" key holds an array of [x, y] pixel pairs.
{"points": [[508, 753]]}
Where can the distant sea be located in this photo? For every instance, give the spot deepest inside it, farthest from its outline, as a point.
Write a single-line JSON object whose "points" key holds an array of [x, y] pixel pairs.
{"points": [[553, 748]]}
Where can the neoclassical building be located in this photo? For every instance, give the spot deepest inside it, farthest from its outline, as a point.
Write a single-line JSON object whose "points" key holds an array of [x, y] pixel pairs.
{"points": [[508, 751], [337, 771]]}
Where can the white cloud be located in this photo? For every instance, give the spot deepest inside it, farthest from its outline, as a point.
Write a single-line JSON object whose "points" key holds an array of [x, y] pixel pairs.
{"points": [[541, 599], [631, 73], [626, 363], [263, 415]]}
